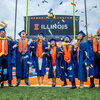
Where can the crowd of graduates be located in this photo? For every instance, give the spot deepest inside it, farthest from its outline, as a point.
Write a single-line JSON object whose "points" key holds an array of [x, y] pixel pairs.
{"points": [[64, 59]]}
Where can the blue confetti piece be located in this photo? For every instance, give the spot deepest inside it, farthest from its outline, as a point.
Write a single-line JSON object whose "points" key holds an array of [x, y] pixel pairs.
{"points": [[61, 3], [50, 10]]}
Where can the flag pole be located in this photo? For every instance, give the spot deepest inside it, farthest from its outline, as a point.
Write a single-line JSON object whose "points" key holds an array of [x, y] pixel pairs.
{"points": [[74, 23], [26, 16], [15, 19]]}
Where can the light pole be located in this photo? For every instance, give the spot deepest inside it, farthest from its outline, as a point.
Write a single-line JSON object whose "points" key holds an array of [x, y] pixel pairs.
{"points": [[85, 5], [26, 16]]}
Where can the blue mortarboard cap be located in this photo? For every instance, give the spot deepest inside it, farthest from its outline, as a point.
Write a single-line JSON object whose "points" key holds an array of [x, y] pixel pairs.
{"points": [[41, 34], [2, 29], [21, 32], [3, 26], [52, 40], [81, 33], [67, 36]]}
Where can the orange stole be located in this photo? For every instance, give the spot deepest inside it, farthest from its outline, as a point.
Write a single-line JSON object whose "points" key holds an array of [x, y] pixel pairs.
{"points": [[67, 53], [25, 45], [39, 50], [5, 47], [53, 55], [96, 46]]}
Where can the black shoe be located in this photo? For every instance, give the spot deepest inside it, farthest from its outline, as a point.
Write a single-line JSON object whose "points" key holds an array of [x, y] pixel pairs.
{"points": [[92, 85], [2, 85], [28, 84], [53, 85], [64, 85], [10, 85], [73, 87], [17, 84]]}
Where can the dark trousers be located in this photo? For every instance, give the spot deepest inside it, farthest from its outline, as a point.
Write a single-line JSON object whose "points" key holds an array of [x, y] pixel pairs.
{"points": [[73, 83], [97, 62], [4, 73], [92, 81], [19, 79]]}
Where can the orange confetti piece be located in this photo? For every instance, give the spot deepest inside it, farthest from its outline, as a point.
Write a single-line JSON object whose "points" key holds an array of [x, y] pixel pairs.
{"points": [[73, 4]]}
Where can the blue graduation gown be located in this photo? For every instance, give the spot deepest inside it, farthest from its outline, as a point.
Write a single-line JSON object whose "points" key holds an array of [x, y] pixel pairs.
{"points": [[51, 73], [22, 63], [75, 62], [64, 71], [97, 66], [43, 70], [82, 72], [90, 57], [6, 65], [70, 69]]}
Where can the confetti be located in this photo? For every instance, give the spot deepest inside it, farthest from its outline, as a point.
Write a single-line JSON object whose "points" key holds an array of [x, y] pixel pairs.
{"points": [[63, 20], [44, 1], [61, 3], [73, 4], [50, 10]]}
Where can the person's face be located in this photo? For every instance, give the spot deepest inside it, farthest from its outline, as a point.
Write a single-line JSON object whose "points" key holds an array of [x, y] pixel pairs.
{"points": [[80, 37], [2, 34], [23, 35], [66, 40], [40, 37], [53, 43], [98, 32], [59, 44], [90, 38]]}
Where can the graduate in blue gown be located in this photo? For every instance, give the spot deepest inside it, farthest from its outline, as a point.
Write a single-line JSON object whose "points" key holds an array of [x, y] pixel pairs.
{"points": [[22, 55], [40, 50], [61, 56], [90, 60], [68, 67], [96, 46], [54, 62], [5, 58], [81, 53]]}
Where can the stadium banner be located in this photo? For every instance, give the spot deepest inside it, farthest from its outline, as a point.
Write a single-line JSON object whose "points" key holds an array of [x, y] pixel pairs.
{"points": [[61, 25]]}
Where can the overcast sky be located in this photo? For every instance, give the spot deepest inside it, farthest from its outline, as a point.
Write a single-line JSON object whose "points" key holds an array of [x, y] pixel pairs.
{"points": [[36, 7]]}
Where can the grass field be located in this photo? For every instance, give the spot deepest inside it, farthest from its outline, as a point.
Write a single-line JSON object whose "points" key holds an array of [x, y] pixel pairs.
{"points": [[48, 93]]}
